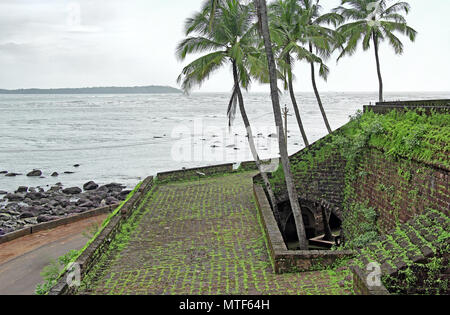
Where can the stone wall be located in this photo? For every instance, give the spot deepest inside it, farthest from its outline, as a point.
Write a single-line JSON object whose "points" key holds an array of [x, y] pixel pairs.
{"points": [[400, 189], [317, 176], [361, 285], [55, 223], [100, 245], [287, 261], [194, 173]]}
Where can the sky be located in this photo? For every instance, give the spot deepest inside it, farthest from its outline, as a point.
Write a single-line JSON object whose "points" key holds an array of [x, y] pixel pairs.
{"points": [[80, 43]]}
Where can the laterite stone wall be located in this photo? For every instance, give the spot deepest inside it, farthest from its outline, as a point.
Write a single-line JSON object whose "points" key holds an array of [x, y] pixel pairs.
{"points": [[400, 189], [318, 177]]}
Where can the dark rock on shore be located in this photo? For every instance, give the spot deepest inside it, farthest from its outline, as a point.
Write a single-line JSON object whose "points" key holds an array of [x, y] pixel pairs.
{"points": [[46, 218], [26, 215], [35, 173], [12, 174], [2, 192], [55, 174], [76, 165], [3, 172], [123, 194], [22, 189], [68, 172], [34, 205], [72, 191], [90, 186], [15, 197]]}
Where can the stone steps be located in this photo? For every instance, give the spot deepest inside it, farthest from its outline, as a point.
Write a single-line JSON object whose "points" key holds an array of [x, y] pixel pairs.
{"points": [[414, 242]]}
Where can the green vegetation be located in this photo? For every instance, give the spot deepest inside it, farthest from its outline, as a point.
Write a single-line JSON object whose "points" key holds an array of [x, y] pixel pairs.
{"points": [[199, 238], [55, 270], [360, 226], [52, 272], [410, 136]]}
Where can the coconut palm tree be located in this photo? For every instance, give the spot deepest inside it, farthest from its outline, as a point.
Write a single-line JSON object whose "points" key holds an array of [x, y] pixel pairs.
{"points": [[376, 22], [273, 77], [320, 39], [231, 41], [284, 33]]}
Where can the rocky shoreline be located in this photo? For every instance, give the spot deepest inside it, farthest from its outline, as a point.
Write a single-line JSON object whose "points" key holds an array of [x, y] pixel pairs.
{"points": [[32, 205]]}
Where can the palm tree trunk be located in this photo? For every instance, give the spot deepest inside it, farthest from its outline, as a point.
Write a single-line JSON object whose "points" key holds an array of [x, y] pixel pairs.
{"points": [[251, 143], [326, 224], [316, 91], [292, 192], [377, 57], [294, 103]]}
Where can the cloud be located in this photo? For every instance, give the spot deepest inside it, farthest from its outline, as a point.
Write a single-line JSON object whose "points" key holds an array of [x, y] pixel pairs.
{"points": [[48, 43]]}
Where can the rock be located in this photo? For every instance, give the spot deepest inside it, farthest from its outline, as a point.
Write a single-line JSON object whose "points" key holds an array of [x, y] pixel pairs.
{"points": [[12, 174], [115, 185], [15, 197], [22, 189], [90, 186], [86, 204], [3, 172], [72, 191], [46, 218], [2, 192], [76, 165], [26, 215], [35, 210], [34, 173], [35, 195], [2, 232], [124, 193], [111, 201], [5, 217], [31, 221], [102, 189], [68, 172], [12, 212], [55, 174]]}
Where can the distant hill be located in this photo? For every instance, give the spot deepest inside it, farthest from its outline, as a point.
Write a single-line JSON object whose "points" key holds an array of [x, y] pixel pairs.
{"points": [[98, 90]]}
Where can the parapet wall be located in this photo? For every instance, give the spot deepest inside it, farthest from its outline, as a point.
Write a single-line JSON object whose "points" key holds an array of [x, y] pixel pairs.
{"points": [[284, 260], [194, 173], [100, 245], [440, 106]]}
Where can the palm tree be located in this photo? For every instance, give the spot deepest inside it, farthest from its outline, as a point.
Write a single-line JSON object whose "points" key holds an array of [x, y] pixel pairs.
{"points": [[232, 40], [292, 192], [284, 32], [320, 39], [376, 22]]}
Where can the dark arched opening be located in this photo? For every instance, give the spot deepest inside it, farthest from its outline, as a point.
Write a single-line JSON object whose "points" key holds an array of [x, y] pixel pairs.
{"points": [[290, 231], [335, 223]]}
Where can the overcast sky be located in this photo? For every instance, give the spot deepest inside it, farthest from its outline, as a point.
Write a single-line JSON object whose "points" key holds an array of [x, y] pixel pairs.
{"points": [[59, 43]]}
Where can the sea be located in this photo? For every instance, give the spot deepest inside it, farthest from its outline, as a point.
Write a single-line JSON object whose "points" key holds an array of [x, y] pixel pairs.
{"points": [[125, 138]]}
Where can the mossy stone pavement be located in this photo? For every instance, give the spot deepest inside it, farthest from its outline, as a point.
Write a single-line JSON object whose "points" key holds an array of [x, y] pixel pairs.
{"points": [[200, 237]]}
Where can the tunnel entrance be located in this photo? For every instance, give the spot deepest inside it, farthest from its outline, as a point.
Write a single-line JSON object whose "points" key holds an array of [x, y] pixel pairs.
{"points": [[313, 223]]}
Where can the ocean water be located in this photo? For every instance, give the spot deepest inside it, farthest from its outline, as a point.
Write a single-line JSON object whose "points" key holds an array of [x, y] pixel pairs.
{"points": [[124, 138]]}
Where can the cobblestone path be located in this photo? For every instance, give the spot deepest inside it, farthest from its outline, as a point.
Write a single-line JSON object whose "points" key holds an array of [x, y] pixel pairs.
{"points": [[200, 237]]}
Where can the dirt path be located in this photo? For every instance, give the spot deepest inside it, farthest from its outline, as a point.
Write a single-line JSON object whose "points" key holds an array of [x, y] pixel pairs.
{"points": [[22, 260], [200, 237]]}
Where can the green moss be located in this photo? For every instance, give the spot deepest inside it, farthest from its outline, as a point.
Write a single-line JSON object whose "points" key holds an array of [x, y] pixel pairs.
{"points": [[410, 135]]}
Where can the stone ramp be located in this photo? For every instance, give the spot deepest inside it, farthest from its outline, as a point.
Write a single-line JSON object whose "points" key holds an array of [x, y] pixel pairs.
{"points": [[408, 249], [200, 237]]}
